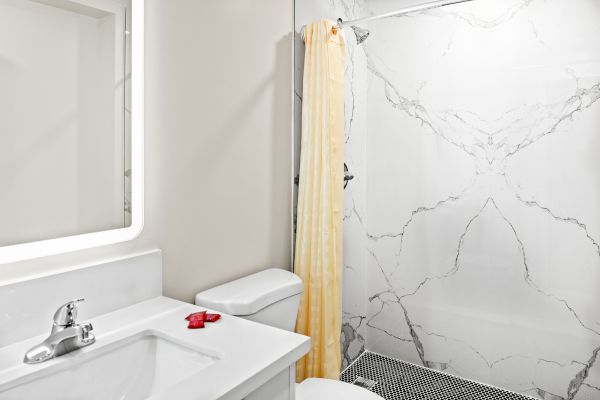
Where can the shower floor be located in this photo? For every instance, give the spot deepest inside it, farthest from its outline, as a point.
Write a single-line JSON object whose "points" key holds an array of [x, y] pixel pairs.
{"points": [[398, 380]]}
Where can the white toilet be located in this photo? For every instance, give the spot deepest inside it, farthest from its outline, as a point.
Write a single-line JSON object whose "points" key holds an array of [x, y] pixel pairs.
{"points": [[272, 297]]}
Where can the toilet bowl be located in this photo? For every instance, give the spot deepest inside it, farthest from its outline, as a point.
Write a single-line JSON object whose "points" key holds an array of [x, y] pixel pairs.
{"points": [[272, 297]]}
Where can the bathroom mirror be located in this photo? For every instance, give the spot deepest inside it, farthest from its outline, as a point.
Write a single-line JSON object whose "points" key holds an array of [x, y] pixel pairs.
{"points": [[71, 125]]}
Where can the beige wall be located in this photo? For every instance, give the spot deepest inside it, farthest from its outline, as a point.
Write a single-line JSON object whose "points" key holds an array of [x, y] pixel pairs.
{"points": [[218, 92]]}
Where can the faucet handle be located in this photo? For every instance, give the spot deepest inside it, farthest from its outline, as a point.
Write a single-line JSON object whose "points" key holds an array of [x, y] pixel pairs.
{"points": [[66, 315], [86, 335]]}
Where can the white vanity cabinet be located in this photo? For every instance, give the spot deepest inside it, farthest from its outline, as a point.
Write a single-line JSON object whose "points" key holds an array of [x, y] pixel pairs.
{"points": [[280, 387]]}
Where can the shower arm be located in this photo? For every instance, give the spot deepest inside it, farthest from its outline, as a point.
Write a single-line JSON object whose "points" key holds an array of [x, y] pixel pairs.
{"points": [[421, 7], [362, 34]]}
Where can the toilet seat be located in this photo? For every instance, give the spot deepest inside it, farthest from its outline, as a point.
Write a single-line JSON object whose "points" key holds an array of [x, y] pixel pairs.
{"points": [[328, 389]]}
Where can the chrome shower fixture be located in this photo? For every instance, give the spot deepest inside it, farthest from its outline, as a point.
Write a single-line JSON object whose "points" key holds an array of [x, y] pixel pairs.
{"points": [[360, 33]]}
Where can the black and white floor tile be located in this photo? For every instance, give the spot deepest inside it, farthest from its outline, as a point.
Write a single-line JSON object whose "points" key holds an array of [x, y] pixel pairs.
{"points": [[398, 380]]}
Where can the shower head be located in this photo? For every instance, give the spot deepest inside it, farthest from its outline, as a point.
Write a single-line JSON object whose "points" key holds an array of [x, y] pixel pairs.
{"points": [[360, 33]]}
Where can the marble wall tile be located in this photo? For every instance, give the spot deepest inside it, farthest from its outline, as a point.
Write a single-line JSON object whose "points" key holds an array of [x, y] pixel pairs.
{"points": [[472, 228]]}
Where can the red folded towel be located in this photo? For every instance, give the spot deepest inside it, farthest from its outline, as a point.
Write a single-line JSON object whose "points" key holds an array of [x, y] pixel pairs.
{"points": [[196, 316], [196, 324], [212, 317], [197, 320]]}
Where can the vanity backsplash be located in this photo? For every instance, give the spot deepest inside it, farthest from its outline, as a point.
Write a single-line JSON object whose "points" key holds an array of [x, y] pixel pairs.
{"points": [[26, 308]]}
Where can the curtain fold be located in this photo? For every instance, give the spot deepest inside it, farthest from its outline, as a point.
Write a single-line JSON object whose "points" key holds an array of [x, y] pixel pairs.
{"points": [[318, 256]]}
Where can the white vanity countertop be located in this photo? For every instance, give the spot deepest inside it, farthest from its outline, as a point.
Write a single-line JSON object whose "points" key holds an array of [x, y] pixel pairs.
{"points": [[249, 354]]}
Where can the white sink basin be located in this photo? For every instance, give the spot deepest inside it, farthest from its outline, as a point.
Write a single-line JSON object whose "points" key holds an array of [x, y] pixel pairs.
{"points": [[130, 369]]}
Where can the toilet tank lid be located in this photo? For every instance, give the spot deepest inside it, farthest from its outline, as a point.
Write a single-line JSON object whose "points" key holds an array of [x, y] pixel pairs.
{"points": [[252, 293]]}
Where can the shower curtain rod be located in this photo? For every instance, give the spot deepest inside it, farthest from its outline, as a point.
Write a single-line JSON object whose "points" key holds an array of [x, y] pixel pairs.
{"points": [[421, 7]]}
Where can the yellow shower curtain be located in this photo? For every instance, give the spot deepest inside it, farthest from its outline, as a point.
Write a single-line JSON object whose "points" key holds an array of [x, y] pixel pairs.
{"points": [[318, 257]]}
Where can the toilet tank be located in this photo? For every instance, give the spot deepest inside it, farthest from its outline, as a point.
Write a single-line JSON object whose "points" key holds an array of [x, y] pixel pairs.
{"points": [[270, 297]]}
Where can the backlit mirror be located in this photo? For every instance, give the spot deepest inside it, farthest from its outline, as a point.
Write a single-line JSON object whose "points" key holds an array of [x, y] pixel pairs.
{"points": [[70, 124]]}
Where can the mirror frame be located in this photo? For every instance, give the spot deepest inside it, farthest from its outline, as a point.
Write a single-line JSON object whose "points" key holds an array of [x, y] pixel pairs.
{"points": [[42, 248]]}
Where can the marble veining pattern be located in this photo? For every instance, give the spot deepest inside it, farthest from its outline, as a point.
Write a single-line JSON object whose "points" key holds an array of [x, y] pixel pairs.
{"points": [[472, 228]]}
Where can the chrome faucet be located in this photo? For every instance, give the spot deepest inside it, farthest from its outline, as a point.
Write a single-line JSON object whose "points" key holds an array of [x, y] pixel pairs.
{"points": [[66, 335]]}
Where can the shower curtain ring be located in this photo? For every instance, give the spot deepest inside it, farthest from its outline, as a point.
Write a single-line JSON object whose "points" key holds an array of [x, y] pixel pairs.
{"points": [[335, 28]]}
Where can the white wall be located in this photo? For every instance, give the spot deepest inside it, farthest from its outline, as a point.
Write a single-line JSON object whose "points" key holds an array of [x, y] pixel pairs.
{"points": [[218, 143]]}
